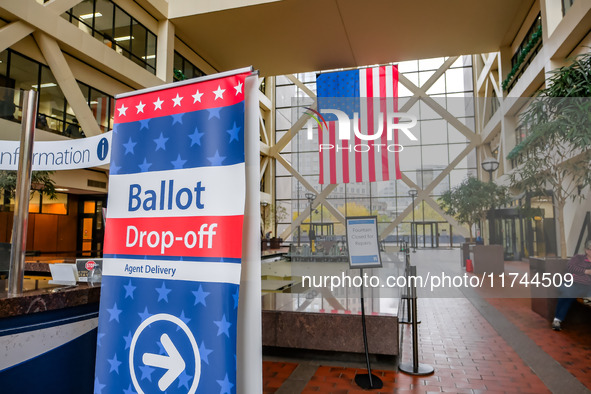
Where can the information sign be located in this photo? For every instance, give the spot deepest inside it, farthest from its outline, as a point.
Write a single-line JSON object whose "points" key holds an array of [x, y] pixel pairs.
{"points": [[362, 240]]}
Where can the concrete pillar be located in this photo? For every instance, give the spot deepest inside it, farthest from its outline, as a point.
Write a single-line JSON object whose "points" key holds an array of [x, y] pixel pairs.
{"points": [[165, 51]]}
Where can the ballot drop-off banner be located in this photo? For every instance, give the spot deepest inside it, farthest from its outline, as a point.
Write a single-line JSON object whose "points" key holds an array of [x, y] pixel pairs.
{"points": [[173, 242]]}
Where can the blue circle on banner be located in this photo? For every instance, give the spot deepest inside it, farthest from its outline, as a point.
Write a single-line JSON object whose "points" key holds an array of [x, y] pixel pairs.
{"points": [[164, 345], [102, 149]]}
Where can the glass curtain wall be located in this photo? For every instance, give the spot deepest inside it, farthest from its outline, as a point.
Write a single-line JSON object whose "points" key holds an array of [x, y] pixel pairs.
{"points": [[117, 29], [55, 114], [422, 161], [184, 69]]}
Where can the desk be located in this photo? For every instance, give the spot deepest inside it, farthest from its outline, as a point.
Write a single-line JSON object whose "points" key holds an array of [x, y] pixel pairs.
{"points": [[48, 338]]}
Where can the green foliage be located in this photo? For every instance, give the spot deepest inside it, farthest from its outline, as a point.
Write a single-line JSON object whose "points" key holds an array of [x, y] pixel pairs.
{"points": [[274, 215], [561, 112], [531, 44], [469, 202], [556, 152], [178, 75], [40, 181]]}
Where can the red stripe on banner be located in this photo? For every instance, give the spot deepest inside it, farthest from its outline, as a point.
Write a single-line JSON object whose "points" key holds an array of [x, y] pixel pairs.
{"points": [[345, 163], [370, 123], [320, 142], [395, 94], [333, 155], [203, 236], [384, 109], [215, 93]]}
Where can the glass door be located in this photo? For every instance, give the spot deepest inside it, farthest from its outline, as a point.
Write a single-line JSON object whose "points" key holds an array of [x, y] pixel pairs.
{"points": [[509, 238], [90, 238]]}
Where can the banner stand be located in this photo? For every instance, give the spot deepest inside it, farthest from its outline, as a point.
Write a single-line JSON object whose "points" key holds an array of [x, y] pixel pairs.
{"points": [[179, 211], [249, 378], [368, 380]]}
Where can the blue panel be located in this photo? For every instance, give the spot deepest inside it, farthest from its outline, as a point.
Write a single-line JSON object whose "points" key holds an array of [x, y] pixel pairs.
{"points": [[188, 140], [68, 369], [209, 311]]}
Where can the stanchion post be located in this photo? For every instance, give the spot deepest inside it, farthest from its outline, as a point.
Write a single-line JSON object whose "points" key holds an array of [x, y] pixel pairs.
{"points": [[21, 201], [409, 300], [415, 368], [408, 289]]}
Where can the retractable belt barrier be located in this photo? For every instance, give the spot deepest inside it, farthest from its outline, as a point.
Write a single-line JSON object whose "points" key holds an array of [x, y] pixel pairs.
{"points": [[414, 368]]}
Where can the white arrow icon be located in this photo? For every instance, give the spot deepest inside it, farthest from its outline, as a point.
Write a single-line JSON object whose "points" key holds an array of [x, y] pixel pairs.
{"points": [[174, 363]]}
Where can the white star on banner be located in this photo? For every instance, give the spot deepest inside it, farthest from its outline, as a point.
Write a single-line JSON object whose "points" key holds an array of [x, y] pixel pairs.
{"points": [[177, 100], [197, 97], [140, 107], [122, 110], [158, 104], [219, 93], [238, 88]]}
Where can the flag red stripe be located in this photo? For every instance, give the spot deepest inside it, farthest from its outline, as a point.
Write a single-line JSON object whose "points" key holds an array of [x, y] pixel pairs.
{"points": [[345, 162], [358, 160], [383, 107], [395, 94], [320, 142], [332, 153], [370, 123]]}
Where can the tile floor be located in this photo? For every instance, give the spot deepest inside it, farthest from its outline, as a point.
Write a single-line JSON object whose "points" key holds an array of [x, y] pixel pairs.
{"points": [[474, 345]]}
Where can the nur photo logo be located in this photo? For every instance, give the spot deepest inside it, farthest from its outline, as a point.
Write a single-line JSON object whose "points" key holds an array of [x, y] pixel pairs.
{"points": [[394, 121]]}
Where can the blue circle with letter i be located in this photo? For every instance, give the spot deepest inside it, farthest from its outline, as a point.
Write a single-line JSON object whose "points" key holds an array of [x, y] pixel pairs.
{"points": [[102, 149]]}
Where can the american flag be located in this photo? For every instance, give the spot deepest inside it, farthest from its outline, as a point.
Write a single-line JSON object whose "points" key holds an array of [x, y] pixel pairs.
{"points": [[368, 92], [171, 271]]}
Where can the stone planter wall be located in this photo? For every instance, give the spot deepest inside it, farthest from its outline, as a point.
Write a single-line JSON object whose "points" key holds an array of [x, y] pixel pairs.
{"points": [[488, 258], [544, 299]]}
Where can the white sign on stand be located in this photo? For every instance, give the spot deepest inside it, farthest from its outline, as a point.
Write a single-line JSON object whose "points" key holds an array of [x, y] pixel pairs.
{"points": [[362, 240]]}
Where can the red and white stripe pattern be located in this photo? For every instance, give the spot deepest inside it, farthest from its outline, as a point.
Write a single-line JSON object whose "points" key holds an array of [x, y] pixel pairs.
{"points": [[356, 160], [100, 110]]}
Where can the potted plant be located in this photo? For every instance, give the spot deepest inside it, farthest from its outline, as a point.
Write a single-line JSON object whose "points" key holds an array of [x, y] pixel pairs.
{"points": [[469, 203], [277, 213], [40, 181]]}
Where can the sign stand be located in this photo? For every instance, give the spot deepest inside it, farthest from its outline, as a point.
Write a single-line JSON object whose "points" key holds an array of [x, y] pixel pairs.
{"points": [[368, 380], [364, 252]]}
